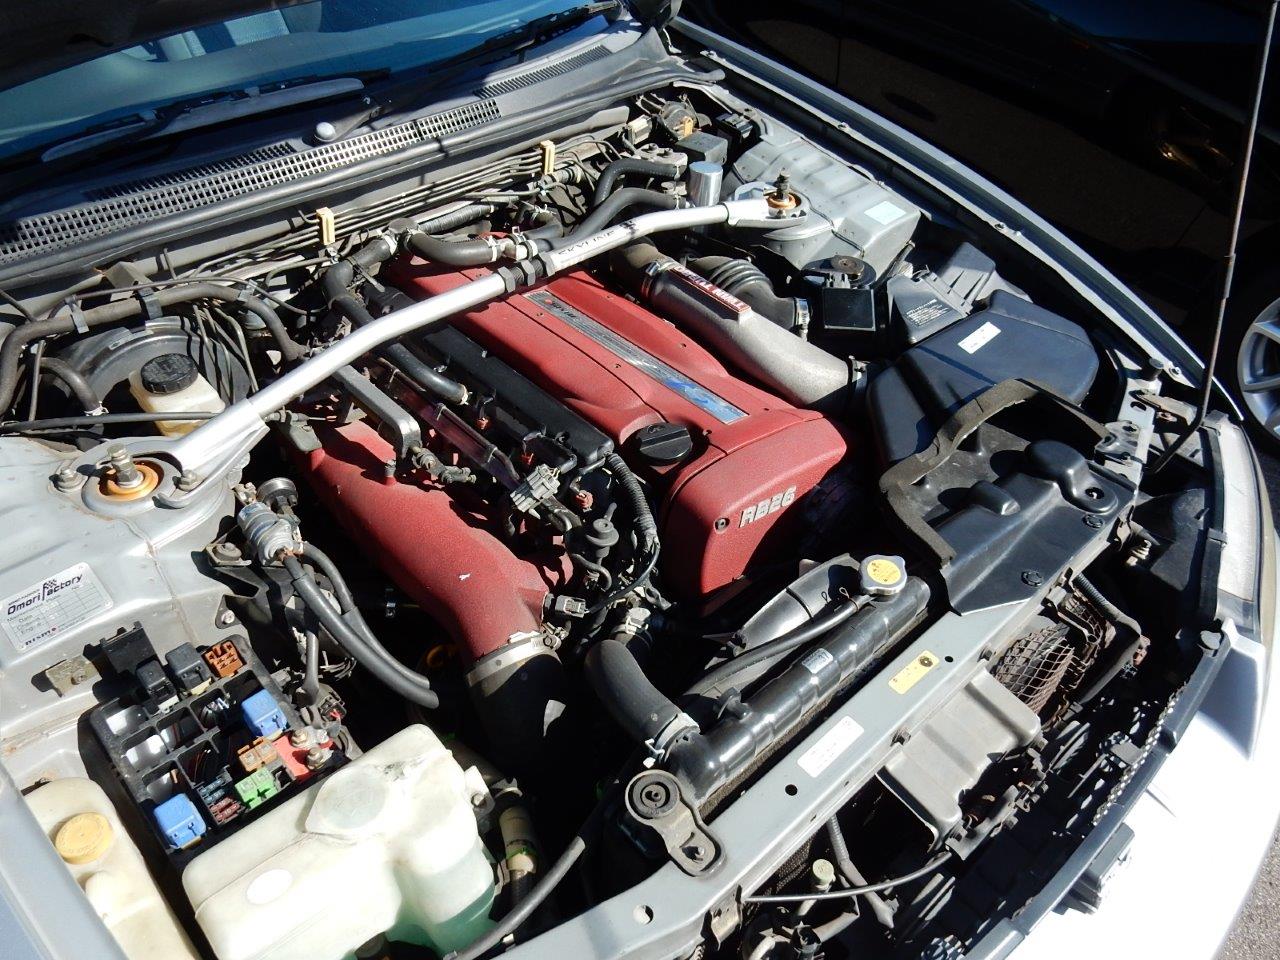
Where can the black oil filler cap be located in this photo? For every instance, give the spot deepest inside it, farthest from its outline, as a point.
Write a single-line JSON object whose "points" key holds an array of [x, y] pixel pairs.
{"points": [[662, 444], [168, 373]]}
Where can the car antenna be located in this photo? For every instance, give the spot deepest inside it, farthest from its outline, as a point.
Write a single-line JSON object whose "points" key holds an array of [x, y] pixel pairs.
{"points": [[1229, 264]]}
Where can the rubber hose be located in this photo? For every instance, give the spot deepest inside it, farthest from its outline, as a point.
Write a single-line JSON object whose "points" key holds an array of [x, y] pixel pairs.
{"points": [[454, 219], [614, 204], [400, 679], [334, 284], [74, 381], [646, 526], [619, 168], [311, 669], [747, 282], [621, 684], [453, 253], [119, 310], [773, 649]]}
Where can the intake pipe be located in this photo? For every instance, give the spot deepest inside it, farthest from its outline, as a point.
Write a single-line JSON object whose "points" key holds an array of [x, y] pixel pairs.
{"points": [[798, 371], [744, 280]]}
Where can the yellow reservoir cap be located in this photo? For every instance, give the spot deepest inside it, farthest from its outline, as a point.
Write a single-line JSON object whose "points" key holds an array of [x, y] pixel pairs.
{"points": [[84, 838]]}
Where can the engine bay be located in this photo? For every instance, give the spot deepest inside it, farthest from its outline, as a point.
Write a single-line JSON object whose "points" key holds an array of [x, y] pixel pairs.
{"points": [[543, 520]]}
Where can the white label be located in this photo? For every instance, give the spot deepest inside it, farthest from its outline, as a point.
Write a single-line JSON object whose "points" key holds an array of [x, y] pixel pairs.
{"points": [[54, 606], [980, 338], [885, 213], [816, 659], [831, 744]]}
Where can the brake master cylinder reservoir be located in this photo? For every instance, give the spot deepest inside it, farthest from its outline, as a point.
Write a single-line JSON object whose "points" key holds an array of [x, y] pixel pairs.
{"points": [[388, 844], [171, 383]]}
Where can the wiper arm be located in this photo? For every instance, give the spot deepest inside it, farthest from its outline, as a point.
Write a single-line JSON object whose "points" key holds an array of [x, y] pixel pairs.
{"points": [[204, 111], [404, 90], [530, 33]]}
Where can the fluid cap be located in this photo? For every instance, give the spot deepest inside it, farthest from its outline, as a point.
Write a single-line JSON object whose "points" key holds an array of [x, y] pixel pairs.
{"points": [[84, 838], [662, 444], [168, 373], [883, 575]]}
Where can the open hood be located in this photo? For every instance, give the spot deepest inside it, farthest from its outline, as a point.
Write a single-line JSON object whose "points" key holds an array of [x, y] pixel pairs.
{"points": [[45, 35]]}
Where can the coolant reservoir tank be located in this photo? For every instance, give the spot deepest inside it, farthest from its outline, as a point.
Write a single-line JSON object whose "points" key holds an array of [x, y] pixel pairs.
{"points": [[388, 844], [171, 383]]}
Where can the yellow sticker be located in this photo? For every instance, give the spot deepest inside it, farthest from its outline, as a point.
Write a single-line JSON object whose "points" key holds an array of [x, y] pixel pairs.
{"points": [[910, 675], [884, 571]]}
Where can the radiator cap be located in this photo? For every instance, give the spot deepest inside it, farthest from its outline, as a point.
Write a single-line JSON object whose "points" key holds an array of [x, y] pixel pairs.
{"points": [[883, 575]]}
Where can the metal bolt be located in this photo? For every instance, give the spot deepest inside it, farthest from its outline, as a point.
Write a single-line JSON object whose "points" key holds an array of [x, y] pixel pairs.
{"points": [[67, 478], [1090, 520], [317, 757], [187, 480], [226, 618], [721, 524], [126, 471], [227, 551], [1032, 578], [300, 737], [477, 800]]}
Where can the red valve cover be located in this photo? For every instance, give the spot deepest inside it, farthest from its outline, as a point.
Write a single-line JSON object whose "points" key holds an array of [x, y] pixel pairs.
{"points": [[737, 499]]}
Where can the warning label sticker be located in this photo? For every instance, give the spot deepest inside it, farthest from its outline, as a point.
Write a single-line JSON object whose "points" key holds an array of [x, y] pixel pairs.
{"points": [[53, 606], [829, 746]]}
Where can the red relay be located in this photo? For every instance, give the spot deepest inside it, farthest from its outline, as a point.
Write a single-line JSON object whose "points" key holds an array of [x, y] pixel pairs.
{"points": [[755, 457]]}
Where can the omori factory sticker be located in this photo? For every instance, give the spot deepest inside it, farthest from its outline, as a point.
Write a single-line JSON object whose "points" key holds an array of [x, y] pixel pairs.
{"points": [[53, 606]]}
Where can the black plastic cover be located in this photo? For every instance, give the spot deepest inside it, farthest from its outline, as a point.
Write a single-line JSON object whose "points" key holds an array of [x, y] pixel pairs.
{"points": [[1012, 339]]}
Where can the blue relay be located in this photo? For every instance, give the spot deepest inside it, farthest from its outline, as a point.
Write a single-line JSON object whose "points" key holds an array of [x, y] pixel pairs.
{"points": [[262, 715], [180, 821]]}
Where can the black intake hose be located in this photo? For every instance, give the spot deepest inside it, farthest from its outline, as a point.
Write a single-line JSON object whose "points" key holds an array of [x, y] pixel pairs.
{"points": [[747, 282], [335, 283], [619, 168], [710, 760], [118, 311]]}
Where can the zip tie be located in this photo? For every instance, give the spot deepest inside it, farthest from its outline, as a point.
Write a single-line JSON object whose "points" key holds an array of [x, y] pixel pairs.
{"points": [[328, 228]]}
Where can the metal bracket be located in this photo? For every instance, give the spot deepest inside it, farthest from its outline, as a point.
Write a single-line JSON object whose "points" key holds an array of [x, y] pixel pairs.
{"points": [[658, 809], [372, 400]]}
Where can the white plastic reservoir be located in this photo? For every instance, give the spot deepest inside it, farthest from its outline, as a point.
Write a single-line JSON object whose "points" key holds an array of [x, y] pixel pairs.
{"points": [[88, 835], [388, 844]]}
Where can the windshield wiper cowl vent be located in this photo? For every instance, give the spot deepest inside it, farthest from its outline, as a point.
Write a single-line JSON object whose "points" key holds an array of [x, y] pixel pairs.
{"points": [[556, 69], [217, 167], [120, 208]]}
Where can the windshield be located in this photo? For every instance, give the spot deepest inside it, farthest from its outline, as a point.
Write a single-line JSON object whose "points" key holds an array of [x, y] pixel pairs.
{"points": [[321, 38]]}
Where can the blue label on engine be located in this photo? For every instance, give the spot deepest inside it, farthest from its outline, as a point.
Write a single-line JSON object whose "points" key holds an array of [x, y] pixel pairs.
{"points": [[664, 373]]}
